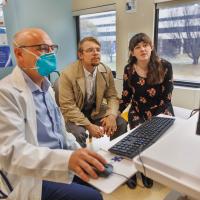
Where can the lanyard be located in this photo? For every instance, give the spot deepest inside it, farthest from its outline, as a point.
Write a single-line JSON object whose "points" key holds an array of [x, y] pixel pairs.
{"points": [[2, 194]]}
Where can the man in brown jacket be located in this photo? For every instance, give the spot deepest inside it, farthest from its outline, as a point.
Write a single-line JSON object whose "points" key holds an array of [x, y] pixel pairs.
{"points": [[83, 87]]}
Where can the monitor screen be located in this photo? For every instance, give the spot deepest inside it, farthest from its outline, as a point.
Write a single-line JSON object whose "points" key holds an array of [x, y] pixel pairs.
{"points": [[198, 126]]}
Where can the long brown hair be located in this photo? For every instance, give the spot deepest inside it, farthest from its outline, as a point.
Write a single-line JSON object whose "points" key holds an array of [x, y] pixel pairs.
{"points": [[156, 71]]}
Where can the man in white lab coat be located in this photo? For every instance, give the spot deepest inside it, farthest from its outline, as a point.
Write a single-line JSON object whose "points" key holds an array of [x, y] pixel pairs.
{"points": [[37, 157]]}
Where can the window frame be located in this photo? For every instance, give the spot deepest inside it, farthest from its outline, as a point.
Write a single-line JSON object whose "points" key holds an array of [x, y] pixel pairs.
{"points": [[181, 83], [78, 31]]}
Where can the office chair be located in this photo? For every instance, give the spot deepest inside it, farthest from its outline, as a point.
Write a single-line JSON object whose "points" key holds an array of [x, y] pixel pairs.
{"points": [[53, 76], [54, 79], [55, 87]]}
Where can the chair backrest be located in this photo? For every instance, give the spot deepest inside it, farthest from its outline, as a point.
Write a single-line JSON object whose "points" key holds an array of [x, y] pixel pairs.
{"points": [[56, 90], [53, 76], [55, 80]]}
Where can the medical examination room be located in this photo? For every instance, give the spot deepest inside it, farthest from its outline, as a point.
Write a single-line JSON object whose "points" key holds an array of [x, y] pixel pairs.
{"points": [[99, 99]]}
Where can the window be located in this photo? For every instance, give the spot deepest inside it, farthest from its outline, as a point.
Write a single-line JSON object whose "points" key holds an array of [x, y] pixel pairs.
{"points": [[178, 40], [103, 27], [5, 56]]}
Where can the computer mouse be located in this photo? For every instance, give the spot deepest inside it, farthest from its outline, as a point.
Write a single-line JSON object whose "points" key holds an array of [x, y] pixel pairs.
{"points": [[107, 171]]}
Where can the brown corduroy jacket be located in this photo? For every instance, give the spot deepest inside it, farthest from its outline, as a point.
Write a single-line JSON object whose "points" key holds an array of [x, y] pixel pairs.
{"points": [[72, 93]]}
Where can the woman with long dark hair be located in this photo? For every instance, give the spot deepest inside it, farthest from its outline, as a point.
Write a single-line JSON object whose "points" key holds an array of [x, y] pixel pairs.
{"points": [[147, 85]]}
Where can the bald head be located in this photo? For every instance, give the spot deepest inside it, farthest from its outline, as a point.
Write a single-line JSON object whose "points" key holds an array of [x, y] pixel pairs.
{"points": [[27, 43], [30, 36]]}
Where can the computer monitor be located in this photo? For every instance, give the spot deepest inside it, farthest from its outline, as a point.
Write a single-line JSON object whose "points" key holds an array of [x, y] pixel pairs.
{"points": [[198, 125]]}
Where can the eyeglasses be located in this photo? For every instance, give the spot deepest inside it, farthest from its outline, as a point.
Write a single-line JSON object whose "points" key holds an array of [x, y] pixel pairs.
{"points": [[92, 50], [43, 47]]}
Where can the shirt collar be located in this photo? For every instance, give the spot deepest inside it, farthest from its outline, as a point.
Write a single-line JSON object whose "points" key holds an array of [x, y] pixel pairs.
{"points": [[87, 73], [34, 87]]}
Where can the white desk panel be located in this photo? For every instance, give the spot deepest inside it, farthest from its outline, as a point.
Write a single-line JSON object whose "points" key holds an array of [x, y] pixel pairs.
{"points": [[174, 159]]}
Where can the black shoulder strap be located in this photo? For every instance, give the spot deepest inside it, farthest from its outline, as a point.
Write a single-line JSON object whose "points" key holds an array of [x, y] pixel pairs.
{"points": [[8, 184]]}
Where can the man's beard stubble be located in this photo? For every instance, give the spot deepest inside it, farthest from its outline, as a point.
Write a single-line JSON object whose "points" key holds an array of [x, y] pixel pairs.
{"points": [[96, 63]]}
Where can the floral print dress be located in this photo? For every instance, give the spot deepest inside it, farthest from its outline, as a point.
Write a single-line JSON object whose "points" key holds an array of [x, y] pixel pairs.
{"points": [[146, 100]]}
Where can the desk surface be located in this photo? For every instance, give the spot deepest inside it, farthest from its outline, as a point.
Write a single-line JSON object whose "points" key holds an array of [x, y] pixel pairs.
{"points": [[174, 159], [123, 168]]}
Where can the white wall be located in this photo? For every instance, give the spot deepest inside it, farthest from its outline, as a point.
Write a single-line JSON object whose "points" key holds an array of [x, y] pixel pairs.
{"points": [[129, 23], [186, 97], [55, 17]]}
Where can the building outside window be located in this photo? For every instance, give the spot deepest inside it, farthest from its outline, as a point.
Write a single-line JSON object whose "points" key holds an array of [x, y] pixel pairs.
{"points": [[179, 40], [103, 27]]}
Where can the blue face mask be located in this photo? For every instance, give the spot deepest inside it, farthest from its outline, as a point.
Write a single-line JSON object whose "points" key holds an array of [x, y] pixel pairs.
{"points": [[46, 64]]}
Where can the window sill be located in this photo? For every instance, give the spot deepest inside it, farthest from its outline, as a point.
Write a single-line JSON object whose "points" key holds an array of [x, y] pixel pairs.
{"points": [[186, 84]]}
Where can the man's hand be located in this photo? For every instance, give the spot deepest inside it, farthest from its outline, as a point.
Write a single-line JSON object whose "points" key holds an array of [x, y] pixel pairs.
{"points": [[95, 131], [109, 124], [81, 162]]}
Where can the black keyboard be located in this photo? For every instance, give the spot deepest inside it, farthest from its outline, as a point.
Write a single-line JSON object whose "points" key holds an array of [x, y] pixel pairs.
{"points": [[142, 137]]}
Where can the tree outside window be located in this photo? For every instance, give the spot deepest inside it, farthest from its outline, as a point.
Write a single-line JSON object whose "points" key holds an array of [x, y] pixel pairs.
{"points": [[103, 27], [179, 40]]}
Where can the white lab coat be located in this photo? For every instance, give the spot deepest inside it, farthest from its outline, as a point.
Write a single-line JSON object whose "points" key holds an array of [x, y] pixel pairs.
{"points": [[21, 158]]}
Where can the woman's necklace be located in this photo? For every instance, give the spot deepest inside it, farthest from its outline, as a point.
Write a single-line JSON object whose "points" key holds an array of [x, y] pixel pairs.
{"points": [[141, 71]]}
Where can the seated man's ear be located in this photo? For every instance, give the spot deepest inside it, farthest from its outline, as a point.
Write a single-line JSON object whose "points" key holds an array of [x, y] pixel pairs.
{"points": [[80, 54], [18, 53]]}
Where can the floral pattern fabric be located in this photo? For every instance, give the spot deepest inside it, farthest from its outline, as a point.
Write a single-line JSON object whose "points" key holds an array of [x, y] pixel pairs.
{"points": [[146, 100]]}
